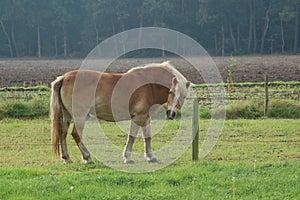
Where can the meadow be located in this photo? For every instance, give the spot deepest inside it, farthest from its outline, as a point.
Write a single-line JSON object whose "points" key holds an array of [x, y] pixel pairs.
{"points": [[254, 158]]}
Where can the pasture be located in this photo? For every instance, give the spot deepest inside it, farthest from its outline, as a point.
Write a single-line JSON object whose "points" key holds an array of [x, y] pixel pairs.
{"points": [[253, 158]]}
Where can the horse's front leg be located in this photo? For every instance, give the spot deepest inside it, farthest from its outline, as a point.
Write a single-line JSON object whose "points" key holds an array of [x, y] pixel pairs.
{"points": [[127, 153], [148, 149]]}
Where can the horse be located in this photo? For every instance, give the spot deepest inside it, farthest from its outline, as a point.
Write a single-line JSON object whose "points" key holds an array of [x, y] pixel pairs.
{"points": [[145, 87]]}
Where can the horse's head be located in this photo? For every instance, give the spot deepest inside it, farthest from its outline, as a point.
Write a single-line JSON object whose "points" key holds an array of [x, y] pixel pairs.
{"points": [[177, 95]]}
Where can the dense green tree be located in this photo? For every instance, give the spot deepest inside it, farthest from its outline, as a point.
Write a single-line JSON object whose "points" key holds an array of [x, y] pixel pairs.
{"points": [[5, 38], [37, 14], [11, 16], [67, 15], [73, 27]]}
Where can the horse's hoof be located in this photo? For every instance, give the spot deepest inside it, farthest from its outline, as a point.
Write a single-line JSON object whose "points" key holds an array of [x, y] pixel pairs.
{"points": [[127, 156], [128, 161], [150, 157], [152, 160], [88, 161], [68, 161]]}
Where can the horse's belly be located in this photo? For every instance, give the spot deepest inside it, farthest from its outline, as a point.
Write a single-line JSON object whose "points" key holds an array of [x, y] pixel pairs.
{"points": [[112, 115], [111, 118]]}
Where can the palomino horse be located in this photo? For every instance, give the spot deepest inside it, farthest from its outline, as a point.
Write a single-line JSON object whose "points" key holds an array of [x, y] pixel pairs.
{"points": [[149, 85]]}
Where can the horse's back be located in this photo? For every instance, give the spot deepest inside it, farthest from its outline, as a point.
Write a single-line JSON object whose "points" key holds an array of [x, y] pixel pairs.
{"points": [[82, 88]]}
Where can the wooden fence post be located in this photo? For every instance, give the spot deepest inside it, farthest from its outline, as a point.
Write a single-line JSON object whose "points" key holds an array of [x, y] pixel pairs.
{"points": [[195, 127], [266, 95]]}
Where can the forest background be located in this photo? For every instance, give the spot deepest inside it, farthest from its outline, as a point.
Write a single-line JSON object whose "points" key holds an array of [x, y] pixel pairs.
{"points": [[72, 28]]}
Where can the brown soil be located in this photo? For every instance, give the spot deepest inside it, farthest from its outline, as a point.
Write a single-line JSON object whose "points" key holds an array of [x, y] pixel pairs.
{"points": [[29, 72]]}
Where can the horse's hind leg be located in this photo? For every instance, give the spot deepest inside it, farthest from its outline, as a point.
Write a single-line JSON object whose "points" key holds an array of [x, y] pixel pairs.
{"points": [[77, 133], [147, 138], [63, 138], [127, 153]]}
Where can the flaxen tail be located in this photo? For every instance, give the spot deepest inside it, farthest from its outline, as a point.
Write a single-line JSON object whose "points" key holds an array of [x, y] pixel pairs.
{"points": [[56, 114]]}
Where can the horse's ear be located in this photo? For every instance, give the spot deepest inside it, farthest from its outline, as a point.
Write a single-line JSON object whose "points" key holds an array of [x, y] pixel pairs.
{"points": [[174, 81], [188, 84]]}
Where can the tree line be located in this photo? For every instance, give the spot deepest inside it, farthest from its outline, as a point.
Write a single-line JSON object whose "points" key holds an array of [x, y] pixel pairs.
{"points": [[71, 28]]}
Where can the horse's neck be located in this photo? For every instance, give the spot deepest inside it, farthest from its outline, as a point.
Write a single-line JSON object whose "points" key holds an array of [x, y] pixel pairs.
{"points": [[160, 94]]}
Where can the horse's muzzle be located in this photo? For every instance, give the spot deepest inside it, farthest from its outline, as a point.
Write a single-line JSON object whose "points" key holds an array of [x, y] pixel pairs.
{"points": [[171, 115]]}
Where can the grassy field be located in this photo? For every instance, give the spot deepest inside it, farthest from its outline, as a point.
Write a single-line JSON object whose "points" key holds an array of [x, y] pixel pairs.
{"points": [[253, 159]]}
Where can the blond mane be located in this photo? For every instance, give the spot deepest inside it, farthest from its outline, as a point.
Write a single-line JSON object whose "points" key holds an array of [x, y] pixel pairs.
{"points": [[165, 65]]}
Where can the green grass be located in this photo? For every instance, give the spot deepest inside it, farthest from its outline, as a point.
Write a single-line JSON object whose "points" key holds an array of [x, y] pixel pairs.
{"points": [[253, 159], [204, 180], [24, 104], [254, 109], [31, 88]]}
